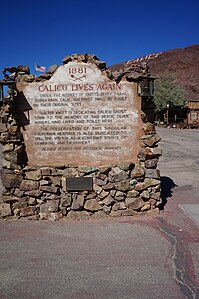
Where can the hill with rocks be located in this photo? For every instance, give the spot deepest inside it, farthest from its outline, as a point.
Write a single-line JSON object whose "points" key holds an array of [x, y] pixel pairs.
{"points": [[182, 63]]}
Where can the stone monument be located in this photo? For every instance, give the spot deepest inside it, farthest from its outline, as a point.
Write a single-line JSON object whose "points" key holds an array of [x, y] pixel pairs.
{"points": [[77, 145]]}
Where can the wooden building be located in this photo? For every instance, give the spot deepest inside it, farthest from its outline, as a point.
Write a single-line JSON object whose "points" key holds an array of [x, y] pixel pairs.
{"points": [[193, 112]]}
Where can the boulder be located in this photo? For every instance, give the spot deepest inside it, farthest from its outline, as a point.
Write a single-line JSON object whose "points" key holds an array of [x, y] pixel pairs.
{"points": [[119, 206], [34, 175], [52, 68], [116, 175], [27, 211], [10, 165], [132, 193], [146, 207], [152, 173], [101, 182], [119, 196], [3, 128], [11, 180], [46, 171], [152, 163], [109, 200], [103, 194], [78, 215], [7, 147], [107, 209], [129, 212], [108, 186], [138, 171], [66, 59], [126, 166], [78, 202], [99, 214], [149, 128], [147, 183], [34, 193], [135, 203], [50, 189], [122, 186], [66, 200], [92, 205], [5, 210], [151, 139], [49, 206], [117, 213], [28, 185], [145, 194]]}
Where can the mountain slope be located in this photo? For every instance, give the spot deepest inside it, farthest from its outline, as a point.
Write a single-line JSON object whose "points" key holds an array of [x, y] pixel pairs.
{"points": [[182, 63]]}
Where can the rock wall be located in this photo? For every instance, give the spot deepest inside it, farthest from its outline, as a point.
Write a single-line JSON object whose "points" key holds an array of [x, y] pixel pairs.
{"points": [[123, 189]]}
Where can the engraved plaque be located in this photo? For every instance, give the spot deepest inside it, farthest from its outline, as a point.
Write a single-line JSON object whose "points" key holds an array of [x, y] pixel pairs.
{"points": [[79, 184], [80, 115]]}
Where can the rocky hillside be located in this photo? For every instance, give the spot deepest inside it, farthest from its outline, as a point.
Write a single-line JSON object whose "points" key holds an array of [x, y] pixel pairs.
{"points": [[182, 63]]}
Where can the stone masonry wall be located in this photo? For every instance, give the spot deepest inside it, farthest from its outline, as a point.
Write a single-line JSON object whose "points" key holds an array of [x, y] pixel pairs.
{"points": [[125, 189]]}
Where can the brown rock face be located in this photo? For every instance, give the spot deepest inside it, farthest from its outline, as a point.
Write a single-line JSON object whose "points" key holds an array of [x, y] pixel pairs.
{"points": [[182, 63]]}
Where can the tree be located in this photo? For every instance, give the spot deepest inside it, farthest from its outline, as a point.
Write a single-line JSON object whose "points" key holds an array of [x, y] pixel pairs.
{"points": [[168, 92]]}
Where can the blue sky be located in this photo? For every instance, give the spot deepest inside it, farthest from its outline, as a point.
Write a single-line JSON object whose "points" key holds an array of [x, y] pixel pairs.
{"points": [[45, 31]]}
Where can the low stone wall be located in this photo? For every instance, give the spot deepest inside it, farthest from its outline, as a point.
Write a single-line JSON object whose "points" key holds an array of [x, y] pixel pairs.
{"points": [[125, 189]]}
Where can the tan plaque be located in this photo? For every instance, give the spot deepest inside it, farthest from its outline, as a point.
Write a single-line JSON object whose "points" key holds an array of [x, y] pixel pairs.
{"points": [[80, 117]]}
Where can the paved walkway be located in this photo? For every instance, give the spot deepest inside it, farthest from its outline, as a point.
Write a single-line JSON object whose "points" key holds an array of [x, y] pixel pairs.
{"points": [[152, 258]]}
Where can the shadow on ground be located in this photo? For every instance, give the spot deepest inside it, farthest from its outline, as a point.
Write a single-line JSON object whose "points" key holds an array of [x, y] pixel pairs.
{"points": [[167, 184]]}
